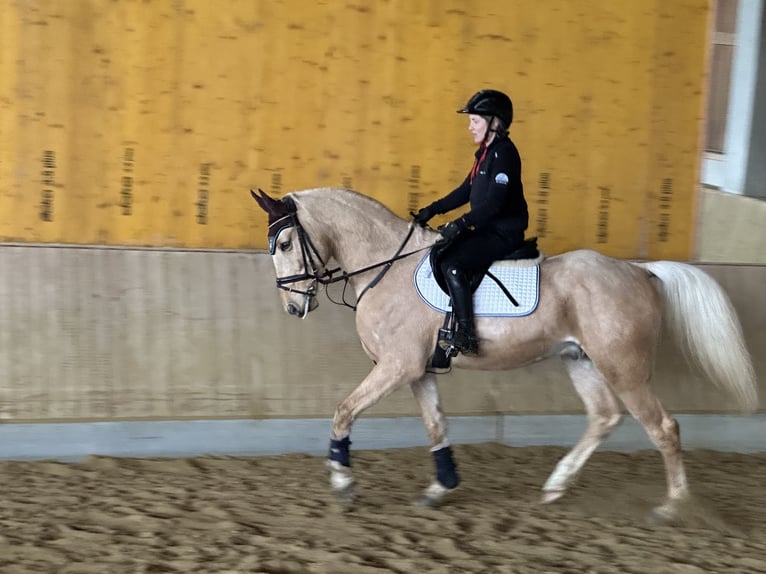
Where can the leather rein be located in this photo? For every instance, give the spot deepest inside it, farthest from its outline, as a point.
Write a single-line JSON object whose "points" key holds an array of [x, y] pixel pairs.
{"points": [[311, 270]]}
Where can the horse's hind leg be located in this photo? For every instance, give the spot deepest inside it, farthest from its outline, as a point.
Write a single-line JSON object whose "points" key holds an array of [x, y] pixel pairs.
{"points": [[427, 394], [603, 416], [663, 431]]}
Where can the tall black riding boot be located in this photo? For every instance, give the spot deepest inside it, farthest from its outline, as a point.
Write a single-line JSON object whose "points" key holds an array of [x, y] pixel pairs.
{"points": [[464, 339]]}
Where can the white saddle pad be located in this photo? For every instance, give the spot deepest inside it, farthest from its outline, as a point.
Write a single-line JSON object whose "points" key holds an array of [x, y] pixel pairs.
{"points": [[488, 300]]}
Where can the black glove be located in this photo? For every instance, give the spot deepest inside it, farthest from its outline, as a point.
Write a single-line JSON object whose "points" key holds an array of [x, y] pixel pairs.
{"points": [[453, 229], [425, 215]]}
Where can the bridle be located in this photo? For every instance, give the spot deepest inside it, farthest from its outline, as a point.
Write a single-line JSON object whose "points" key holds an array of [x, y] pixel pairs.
{"points": [[311, 270], [310, 256]]}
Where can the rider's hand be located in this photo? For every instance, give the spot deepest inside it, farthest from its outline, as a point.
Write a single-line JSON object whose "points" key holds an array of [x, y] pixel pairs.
{"points": [[425, 215], [453, 229]]}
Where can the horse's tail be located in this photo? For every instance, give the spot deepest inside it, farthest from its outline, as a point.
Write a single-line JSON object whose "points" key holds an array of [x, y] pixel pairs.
{"points": [[703, 321]]}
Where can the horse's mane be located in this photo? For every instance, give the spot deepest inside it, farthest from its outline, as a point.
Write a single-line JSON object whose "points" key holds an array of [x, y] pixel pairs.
{"points": [[350, 199]]}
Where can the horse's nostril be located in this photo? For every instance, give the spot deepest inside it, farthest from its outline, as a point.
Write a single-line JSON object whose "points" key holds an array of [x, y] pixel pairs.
{"points": [[292, 308]]}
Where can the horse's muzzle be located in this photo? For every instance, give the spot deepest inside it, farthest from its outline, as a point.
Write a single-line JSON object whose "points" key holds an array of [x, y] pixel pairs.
{"points": [[309, 304], [294, 310]]}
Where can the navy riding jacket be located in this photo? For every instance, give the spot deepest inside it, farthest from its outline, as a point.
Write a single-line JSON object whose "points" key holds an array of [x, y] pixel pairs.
{"points": [[494, 190]]}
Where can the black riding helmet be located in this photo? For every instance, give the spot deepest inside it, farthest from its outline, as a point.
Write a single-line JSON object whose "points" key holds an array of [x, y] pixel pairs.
{"points": [[490, 103]]}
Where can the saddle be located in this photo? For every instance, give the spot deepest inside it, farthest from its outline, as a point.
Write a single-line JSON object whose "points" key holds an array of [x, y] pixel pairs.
{"points": [[528, 250]]}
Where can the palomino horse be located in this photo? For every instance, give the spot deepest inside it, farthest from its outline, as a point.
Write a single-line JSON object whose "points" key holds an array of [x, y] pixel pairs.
{"points": [[602, 316]]}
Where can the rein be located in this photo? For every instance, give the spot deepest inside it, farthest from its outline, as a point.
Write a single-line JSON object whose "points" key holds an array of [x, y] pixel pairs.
{"points": [[387, 264], [309, 253]]}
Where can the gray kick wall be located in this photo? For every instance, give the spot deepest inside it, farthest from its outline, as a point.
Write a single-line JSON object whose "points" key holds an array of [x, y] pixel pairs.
{"points": [[115, 334]]}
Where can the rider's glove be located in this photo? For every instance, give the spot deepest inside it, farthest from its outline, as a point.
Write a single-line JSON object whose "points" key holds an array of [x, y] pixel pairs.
{"points": [[453, 229], [425, 215]]}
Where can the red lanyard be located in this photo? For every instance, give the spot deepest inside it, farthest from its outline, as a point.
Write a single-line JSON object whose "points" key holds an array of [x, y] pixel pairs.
{"points": [[477, 163]]}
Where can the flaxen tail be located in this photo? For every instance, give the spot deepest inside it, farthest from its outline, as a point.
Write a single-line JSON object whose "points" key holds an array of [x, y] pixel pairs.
{"points": [[703, 321]]}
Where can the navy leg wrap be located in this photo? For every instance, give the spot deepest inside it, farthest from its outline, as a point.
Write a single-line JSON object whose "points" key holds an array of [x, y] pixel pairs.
{"points": [[446, 469], [339, 451]]}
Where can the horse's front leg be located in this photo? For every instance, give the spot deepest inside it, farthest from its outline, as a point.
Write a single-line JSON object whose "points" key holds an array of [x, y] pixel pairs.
{"points": [[385, 377], [446, 479]]}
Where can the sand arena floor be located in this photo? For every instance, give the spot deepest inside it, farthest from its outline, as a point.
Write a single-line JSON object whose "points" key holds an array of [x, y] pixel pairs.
{"points": [[276, 515]]}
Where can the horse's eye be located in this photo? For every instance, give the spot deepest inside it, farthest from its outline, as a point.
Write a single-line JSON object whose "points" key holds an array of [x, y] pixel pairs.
{"points": [[285, 245]]}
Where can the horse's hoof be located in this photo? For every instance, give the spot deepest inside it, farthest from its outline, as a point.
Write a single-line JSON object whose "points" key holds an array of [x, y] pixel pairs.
{"points": [[428, 502], [665, 515], [345, 497], [342, 483], [657, 518], [551, 496], [433, 496]]}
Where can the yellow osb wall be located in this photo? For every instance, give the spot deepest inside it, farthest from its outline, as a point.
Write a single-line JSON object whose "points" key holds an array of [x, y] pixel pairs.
{"points": [[144, 122]]}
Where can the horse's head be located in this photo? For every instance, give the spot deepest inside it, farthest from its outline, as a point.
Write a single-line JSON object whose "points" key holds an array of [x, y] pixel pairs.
{"points": [[297, 263]]}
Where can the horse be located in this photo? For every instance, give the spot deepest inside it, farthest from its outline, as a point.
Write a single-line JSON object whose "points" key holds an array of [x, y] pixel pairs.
{"points": [[602, 316]]}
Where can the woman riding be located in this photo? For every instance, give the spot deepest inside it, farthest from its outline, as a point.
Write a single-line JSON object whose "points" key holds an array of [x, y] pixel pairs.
{"points": [[498, 217]]}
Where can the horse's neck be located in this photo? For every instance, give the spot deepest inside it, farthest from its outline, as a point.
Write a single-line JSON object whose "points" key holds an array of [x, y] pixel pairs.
{"points": [[363, 243], [357, 238]]}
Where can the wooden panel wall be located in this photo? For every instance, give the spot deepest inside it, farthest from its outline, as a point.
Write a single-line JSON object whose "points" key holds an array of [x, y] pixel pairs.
{"points": [[144, 122]]}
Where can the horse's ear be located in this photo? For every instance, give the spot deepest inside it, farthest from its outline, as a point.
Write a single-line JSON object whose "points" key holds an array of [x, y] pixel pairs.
{"points": [[274, 207], [264, 201]]}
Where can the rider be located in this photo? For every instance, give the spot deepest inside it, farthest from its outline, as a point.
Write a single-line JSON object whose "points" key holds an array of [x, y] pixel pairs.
{"points": [[495, 224]]}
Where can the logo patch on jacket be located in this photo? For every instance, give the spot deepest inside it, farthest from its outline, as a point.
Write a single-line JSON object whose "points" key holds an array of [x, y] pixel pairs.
{"points": [[501, 178]]}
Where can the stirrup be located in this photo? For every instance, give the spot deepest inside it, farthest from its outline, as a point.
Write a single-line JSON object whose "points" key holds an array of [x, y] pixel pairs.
{"points": [[453, 342], [446, 344]]}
